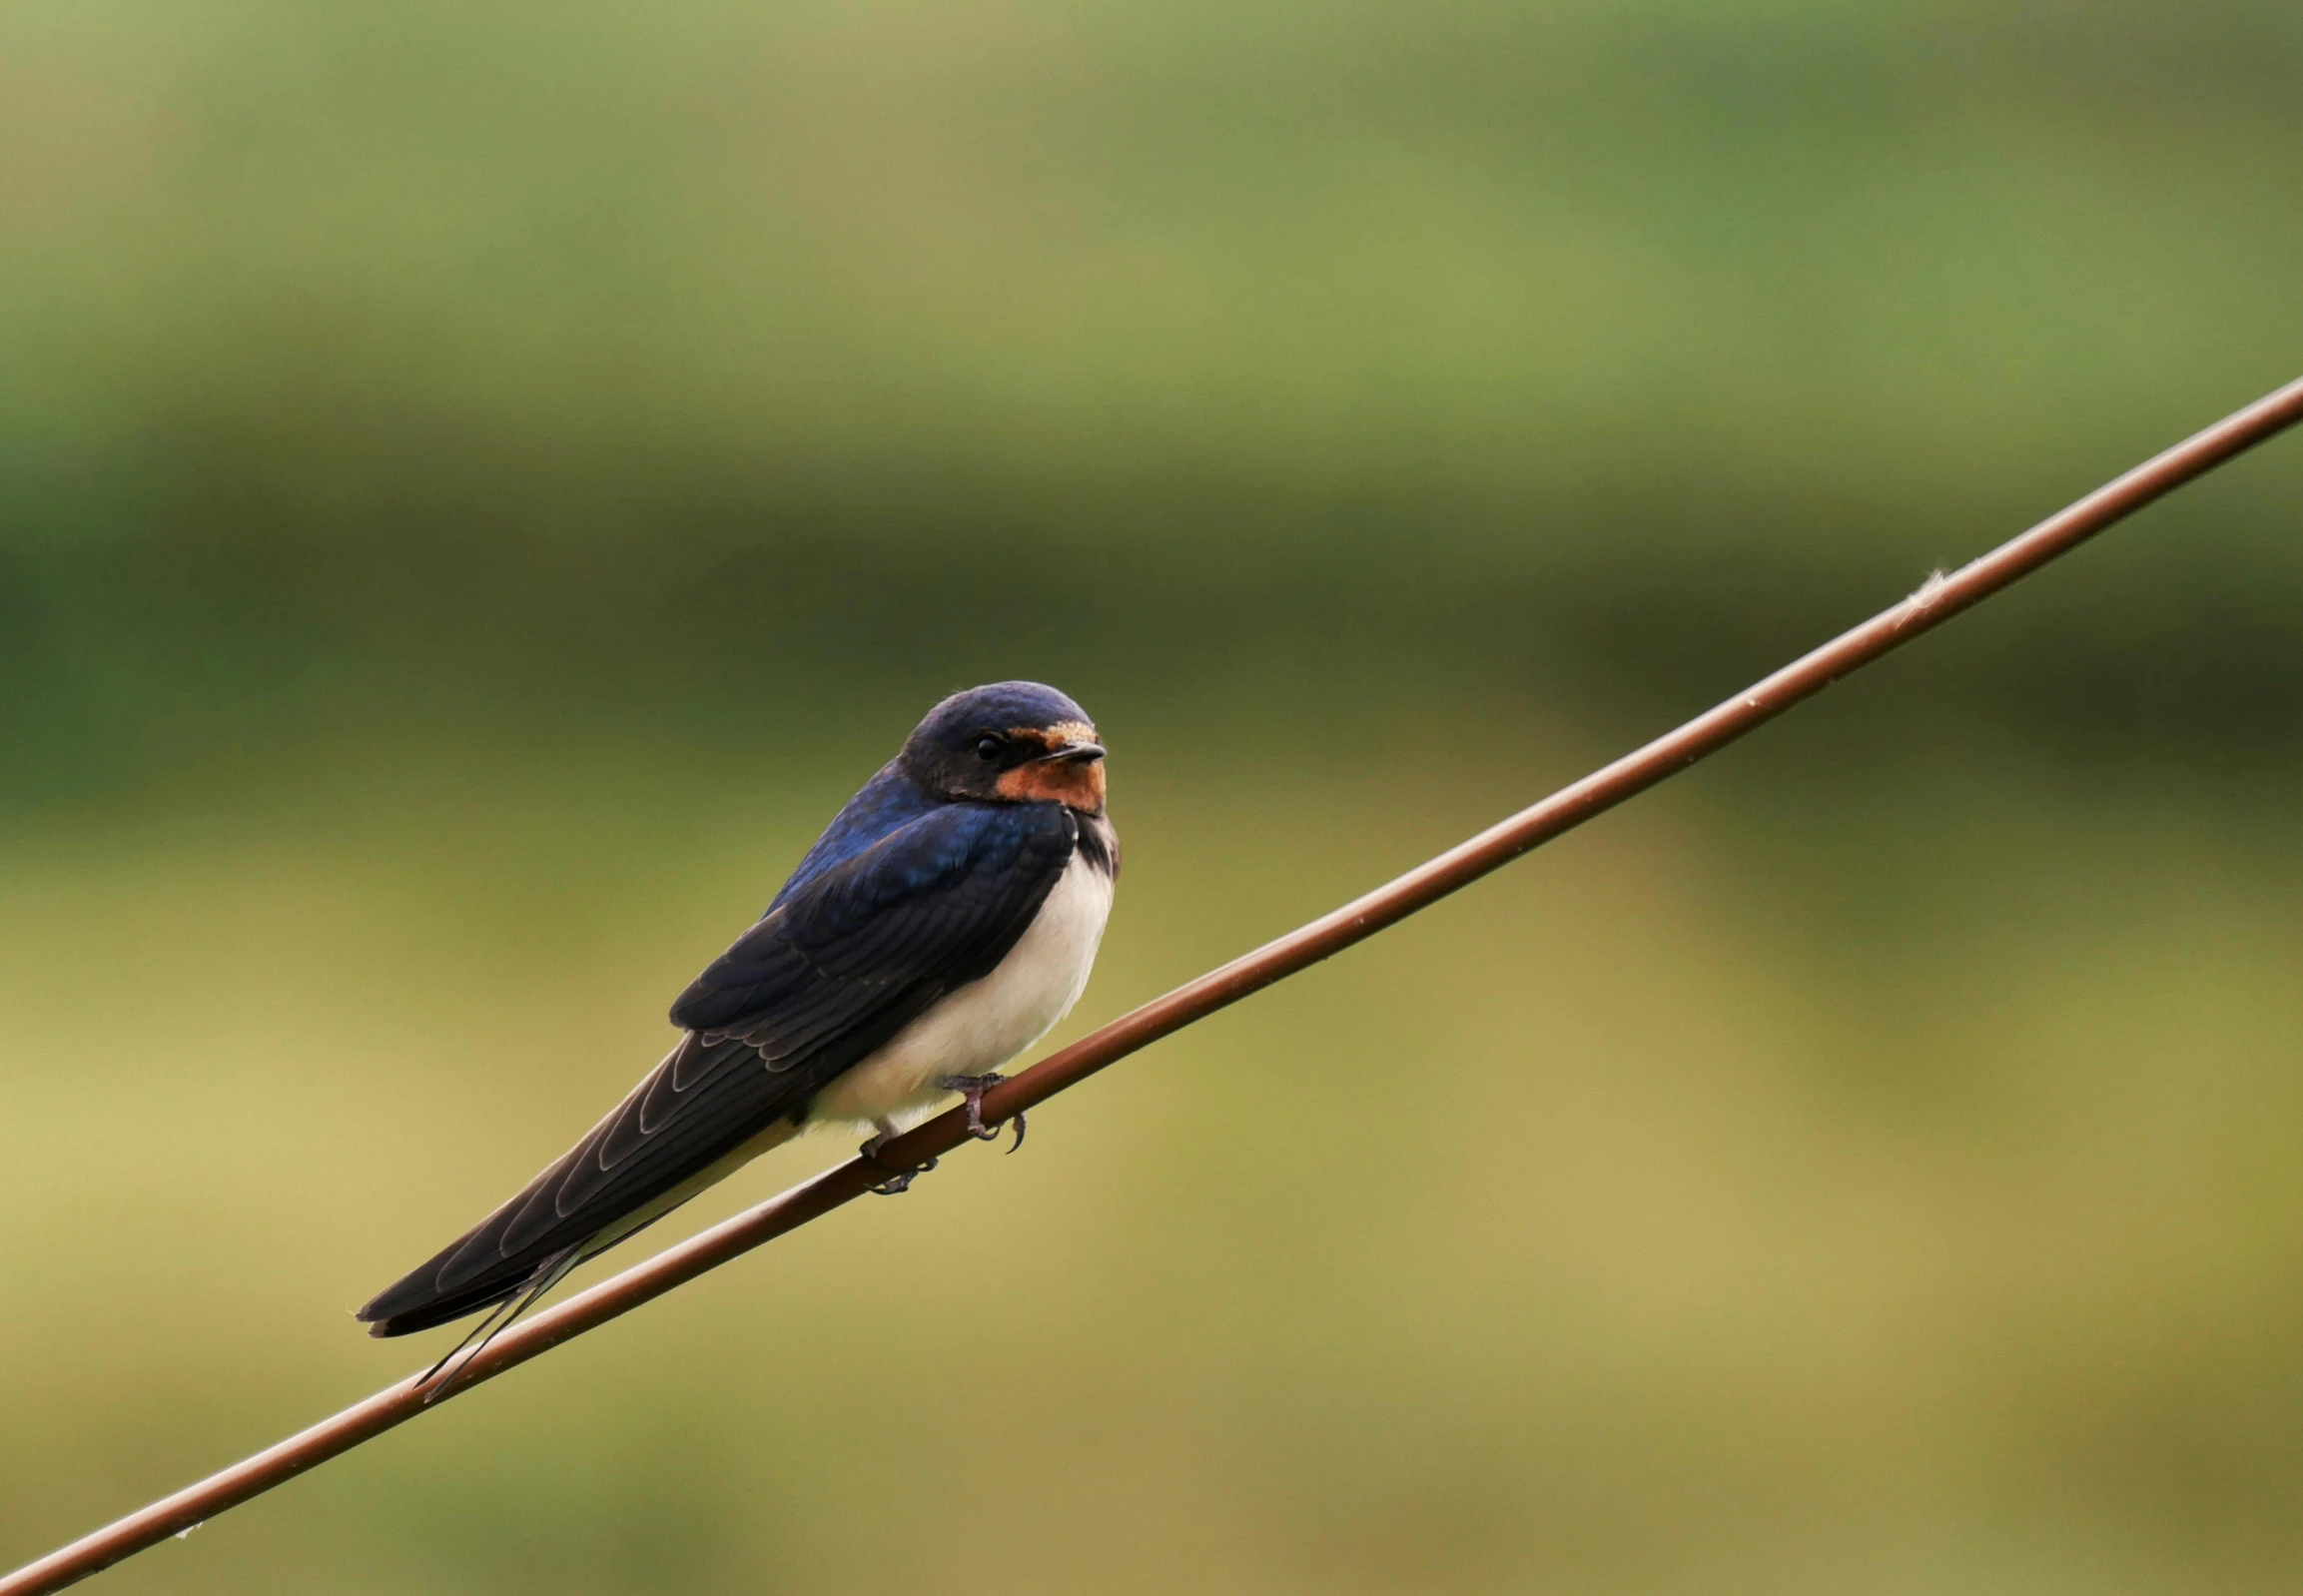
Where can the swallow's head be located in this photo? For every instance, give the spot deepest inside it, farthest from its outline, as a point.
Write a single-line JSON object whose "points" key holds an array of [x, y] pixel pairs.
{"points": [[1014, 741]]}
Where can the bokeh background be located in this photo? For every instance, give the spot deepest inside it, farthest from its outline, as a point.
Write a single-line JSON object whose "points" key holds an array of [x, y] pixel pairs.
{"points": [[481, 484]]}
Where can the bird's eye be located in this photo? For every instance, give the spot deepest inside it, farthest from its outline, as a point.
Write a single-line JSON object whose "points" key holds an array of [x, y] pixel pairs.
{"points": [[989, 748]]}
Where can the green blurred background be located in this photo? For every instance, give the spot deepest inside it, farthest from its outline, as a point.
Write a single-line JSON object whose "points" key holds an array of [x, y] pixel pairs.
{"points": [[480, 485]]}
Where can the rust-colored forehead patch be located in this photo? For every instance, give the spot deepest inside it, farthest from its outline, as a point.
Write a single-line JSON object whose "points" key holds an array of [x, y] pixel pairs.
{"points": [[1055, 736]]}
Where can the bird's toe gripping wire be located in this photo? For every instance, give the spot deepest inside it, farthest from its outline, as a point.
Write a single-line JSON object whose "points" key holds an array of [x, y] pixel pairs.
{"points": [[898, 1181], [973, 1088]]}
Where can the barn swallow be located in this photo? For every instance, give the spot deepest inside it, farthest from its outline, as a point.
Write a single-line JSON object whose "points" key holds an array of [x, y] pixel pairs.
{"points": [[947, 918]]}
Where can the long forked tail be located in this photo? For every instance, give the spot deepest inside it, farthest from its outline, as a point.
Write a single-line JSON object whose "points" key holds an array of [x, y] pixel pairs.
{"points": [[548, 1275], [707, 1109]]}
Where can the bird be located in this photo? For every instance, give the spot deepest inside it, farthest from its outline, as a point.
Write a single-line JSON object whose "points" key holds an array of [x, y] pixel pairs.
{"points": [[947, 917]]}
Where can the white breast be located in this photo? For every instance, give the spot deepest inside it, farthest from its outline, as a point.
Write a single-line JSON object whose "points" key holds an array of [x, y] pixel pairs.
{"points": [[986, 1023]]}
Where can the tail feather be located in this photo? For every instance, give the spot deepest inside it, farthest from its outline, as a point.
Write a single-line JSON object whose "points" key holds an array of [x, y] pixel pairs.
{"points": [[732, 1115], [440, 1311], [475, 1342]]}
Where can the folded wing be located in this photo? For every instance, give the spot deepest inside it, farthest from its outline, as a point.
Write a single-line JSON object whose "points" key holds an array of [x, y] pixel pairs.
{"points": [[843, 963]]}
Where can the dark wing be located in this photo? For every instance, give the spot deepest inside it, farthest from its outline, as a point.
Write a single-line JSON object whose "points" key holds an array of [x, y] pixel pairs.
{"points": [[838, 968]]}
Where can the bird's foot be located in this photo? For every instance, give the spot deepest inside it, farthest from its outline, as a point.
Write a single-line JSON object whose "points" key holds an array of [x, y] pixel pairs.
{"points": [[973, 1088], [898, 1181]]}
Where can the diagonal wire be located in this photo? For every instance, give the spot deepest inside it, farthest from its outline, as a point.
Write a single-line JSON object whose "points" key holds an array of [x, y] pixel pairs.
{"points": [[1935, 603]]}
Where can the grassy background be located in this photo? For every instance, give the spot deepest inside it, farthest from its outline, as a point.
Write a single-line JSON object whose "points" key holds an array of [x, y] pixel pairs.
{"points": [[478, 489]]}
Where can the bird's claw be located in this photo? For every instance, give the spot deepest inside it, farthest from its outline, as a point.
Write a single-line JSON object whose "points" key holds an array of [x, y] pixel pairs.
{"points": [[898, 1181], [973, 1088]]}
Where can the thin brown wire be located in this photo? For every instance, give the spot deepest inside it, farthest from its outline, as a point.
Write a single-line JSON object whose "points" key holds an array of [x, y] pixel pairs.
{"points": [[1936, 602]]}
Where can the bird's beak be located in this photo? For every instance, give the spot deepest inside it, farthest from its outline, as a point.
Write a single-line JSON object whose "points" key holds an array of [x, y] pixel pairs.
{"points": [[1083, 753]]}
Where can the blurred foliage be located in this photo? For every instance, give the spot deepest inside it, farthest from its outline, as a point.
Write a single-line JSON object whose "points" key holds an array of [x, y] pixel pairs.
{"points": [[582, 360], [477, 488]]}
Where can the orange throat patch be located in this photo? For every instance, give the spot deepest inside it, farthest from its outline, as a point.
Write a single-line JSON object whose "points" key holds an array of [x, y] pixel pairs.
{"points": [[1078, 785]]}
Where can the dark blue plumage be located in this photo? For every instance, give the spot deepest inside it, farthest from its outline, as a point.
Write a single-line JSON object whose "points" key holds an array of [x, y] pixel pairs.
{"points": [[888, 801], [935, 903]]}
